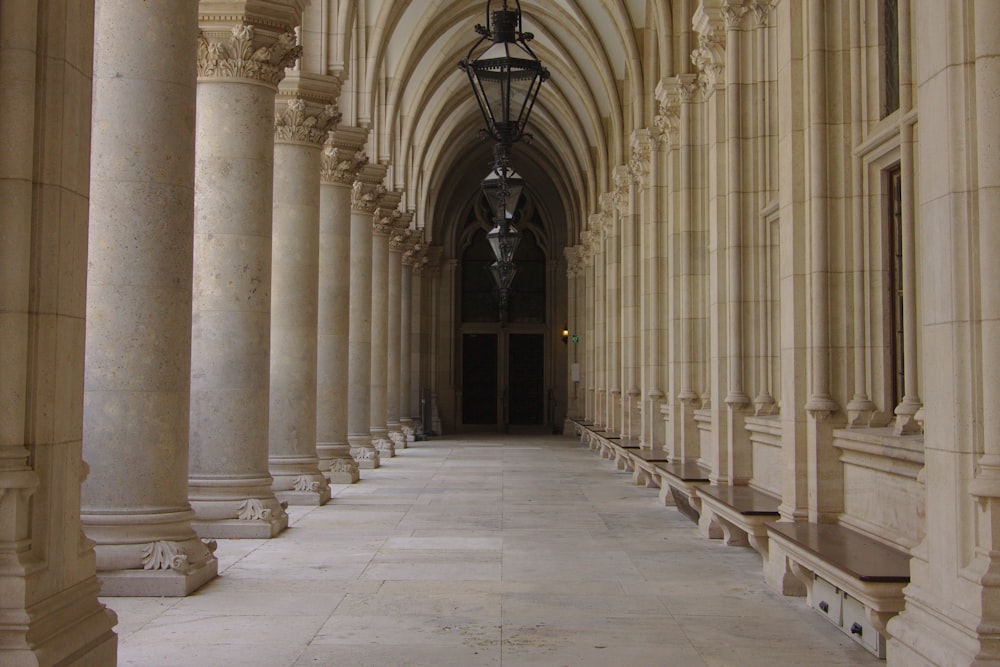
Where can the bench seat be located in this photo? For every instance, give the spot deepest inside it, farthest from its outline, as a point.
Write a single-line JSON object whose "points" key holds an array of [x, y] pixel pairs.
{"points": [[678, 483], [643, 469], [872, 575], [737, 514]]}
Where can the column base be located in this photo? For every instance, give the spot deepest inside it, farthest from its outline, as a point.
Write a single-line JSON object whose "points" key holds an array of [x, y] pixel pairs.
{"points": [[308, 487], [310, 498], [343, 471], [397, 437], [385, 447], [229, 529], [158, 583], [367, 457], [236, 508]]}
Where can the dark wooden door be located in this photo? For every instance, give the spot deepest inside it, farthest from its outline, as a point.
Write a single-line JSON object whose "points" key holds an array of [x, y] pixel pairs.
{"points": [[526, 379], [479, 378]]}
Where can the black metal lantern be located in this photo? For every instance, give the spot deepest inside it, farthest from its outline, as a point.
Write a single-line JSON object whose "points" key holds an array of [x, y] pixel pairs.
{"points": [[505, 74], [503, 187], [503, 241]]}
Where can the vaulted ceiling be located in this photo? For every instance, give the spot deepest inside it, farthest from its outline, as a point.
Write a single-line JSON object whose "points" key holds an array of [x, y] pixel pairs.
{"points": [[398, 60]]}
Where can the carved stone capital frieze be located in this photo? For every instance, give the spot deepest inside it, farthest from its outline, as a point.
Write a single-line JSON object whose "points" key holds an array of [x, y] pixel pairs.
{"points": [[623, 182], [294, 124], [384, 221], [340, 165], [245, 55], [365, 197], [761, 12]]}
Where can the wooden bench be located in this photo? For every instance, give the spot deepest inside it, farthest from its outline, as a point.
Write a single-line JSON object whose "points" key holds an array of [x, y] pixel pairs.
{"points": [[678, 484], [737, 514], [853, 580]]}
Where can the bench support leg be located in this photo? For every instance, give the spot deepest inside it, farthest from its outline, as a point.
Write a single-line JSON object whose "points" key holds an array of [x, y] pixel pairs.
{"points": [[708, 525], [778, 574]]}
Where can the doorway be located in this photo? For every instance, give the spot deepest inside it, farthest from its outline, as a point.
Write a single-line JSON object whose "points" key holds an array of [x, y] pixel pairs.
{"points": [[526, 379], [479, 379], [503, 379]]}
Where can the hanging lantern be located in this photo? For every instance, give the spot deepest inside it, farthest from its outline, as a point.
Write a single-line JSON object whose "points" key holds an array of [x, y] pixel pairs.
{"points": [[504, 72]]}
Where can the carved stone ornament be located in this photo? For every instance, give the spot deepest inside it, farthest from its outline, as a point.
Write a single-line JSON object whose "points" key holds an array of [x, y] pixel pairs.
{"points": [[294, 124], [642, 152], [384, 222], [365, 199], [761, 11], [710, 59], [240, 58], [623, 179], [253, 510], [338, 165], [343, 465], [364, 454], [163, 555], [305, 483]]}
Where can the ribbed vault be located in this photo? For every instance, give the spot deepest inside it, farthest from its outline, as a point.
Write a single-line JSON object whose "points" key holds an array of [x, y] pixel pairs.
{"points": [[605, 59]]}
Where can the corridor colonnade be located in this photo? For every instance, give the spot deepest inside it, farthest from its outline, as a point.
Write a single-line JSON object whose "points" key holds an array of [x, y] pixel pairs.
{"points": [[815, 313], [780, 274], [215, 376]]}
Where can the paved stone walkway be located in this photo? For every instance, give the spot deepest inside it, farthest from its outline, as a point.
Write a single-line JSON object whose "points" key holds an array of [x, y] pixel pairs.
{"points": [[484, 550]]}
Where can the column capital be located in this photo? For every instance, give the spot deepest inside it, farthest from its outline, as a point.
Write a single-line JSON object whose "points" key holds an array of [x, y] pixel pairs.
{"points": [[644, 142], [668, 116], [296, 123], [400, 239], [244, 52], [343, 155], [412, 252], [368, 190], [710, 56], [386, 215], [620, 195]]}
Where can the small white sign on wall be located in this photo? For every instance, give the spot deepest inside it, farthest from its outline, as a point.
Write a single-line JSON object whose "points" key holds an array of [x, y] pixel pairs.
{"points": [[574, 372]]}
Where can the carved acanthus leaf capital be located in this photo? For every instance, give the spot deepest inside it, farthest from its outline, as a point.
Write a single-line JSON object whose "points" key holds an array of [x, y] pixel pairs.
{"points": [[339, 165], [364, 198], [295, 124], [620, 196], [244, 56], [384, 221]]}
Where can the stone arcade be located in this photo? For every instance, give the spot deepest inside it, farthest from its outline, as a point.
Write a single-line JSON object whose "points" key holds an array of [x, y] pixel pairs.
{"points": [[242, 256]]}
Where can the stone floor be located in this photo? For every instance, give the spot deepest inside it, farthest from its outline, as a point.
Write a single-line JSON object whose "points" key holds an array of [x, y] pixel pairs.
{"points": [[484, 550]]}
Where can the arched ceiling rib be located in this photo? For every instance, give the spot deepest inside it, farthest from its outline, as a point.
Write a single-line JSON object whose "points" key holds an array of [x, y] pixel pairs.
{"points": [[400, 61]]}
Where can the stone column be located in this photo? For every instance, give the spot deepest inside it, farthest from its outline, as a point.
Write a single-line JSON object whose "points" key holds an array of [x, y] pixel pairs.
{"points": [[366, 192], [49, 609], [138, 352], [590, 312], [343, 156], [302, 121], [629, 259], [384, 222], [239, 68], [739, 454], [397, 240], [417, 329], [572, 254], [406, 409]]}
